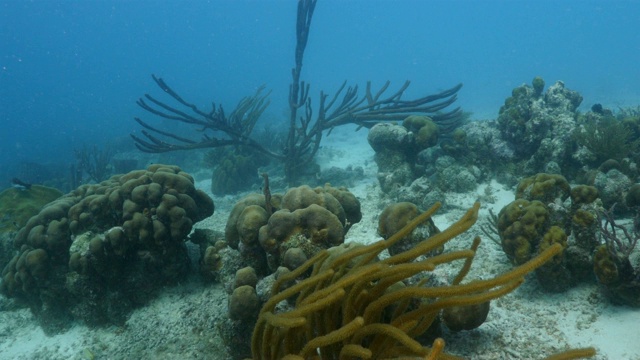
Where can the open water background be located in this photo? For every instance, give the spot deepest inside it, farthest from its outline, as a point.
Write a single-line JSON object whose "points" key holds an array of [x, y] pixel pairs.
{"points": [[71, 71]]}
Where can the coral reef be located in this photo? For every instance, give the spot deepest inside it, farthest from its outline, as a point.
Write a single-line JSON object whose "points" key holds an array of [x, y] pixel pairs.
{"points": [[536, 131], [545, 188], [424, 129], [547, 212], [305, 219], [539, 126], [611, 262], [350, 308], [407, 152], [521, 225], [419, 161], [273, 235], [243, 302], [612, 187], [233, 169], [103, 249], [392, 144], [605, 138]]}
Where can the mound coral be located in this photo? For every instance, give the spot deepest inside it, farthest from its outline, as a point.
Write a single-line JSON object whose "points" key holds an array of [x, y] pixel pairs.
{"points": [[103, 249], [303, 218]]}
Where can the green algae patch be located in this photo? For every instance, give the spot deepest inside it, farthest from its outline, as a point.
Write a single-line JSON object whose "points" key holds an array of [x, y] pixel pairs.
{"points": [[17, 206]]}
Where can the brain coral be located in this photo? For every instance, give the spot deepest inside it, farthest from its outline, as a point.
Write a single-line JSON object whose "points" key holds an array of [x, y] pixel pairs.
{"points": [[116, 241]]}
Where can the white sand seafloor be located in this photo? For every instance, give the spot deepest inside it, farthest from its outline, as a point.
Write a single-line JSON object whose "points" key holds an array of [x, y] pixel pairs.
{"points": [[180, 323]]}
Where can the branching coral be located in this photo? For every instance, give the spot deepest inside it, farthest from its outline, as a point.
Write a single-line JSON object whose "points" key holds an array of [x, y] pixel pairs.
{"points": [[348, 307]]}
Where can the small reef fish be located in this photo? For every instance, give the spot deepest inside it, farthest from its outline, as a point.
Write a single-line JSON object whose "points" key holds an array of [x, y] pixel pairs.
{"points": [[17, 183]]}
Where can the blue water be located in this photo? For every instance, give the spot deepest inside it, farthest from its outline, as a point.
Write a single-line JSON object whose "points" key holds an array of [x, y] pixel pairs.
{"points": [[71, 71]]}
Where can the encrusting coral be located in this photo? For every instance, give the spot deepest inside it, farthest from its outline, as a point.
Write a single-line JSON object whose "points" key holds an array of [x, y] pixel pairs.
{"points": [[349, 307]]}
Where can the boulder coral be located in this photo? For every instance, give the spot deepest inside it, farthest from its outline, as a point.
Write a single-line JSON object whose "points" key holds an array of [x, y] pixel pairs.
{"points": [[304, 218], [119, 241], [397, 148], [390, 142]]}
